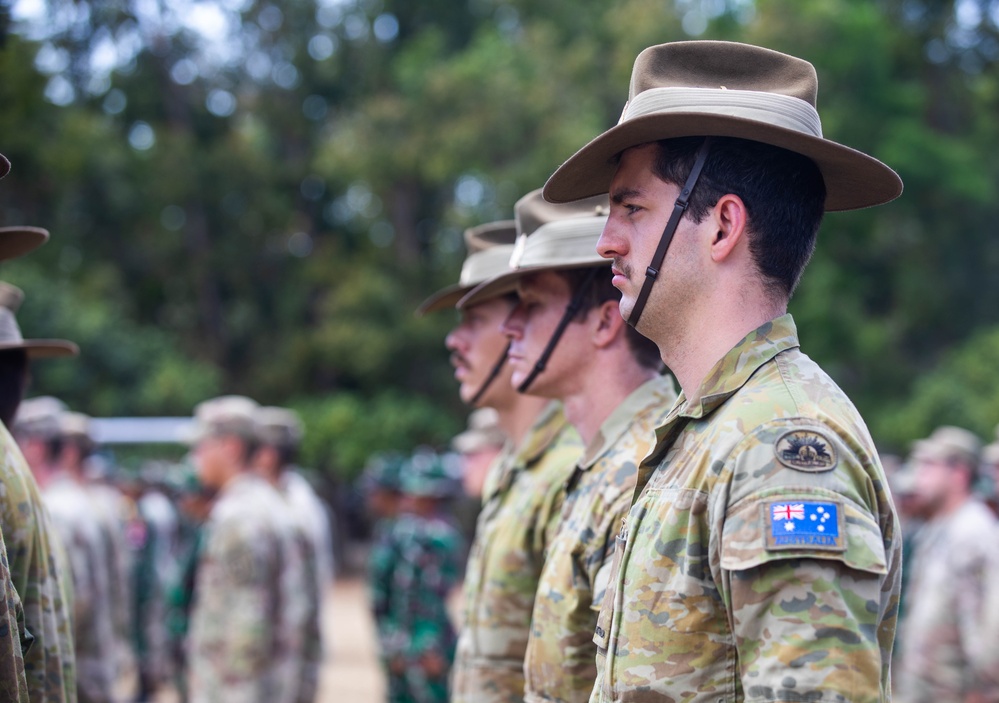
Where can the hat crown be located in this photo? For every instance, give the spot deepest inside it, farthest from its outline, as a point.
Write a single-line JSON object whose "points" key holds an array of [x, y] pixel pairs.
{"points": [[489, 235], [39, 416], [726, 66], [556, 234]]}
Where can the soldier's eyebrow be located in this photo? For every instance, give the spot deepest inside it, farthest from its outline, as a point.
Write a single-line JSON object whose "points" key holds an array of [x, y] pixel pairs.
{"points": [[621, 194]]}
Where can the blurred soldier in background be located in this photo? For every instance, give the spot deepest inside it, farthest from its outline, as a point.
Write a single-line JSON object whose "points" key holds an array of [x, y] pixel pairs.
{"points": [[109, 507], [606, 376], [520, 494], [39, 431], [479, 446], [381, 483], [247, 570], [990, 474], [37, 562], [279, 433], [948, 639], [194, 501], [420, 640]]}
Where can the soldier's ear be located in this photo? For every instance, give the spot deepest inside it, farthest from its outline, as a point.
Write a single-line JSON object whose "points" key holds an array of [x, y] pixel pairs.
{"points": [[607, 323]]}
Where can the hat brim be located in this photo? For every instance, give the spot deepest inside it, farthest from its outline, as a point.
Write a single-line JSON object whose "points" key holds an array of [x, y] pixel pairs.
{"points": [[853, 179], [444, 298], [44, 348], [4, 166], [18, 241], [507, 282]]}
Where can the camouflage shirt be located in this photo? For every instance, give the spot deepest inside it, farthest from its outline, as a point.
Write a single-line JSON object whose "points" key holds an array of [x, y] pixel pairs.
{"points": [[948, 637], [240, 640], [39, 571], [761, 559], [13, 639], [559, 665], [520, 508]]}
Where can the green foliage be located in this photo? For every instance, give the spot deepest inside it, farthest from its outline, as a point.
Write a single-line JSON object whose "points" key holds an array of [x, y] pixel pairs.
{"points": [[344, 430], [291, 206], [962, 390]]}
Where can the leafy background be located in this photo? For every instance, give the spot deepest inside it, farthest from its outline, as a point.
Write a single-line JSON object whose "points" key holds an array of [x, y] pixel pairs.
{"points": [[253, 197]]}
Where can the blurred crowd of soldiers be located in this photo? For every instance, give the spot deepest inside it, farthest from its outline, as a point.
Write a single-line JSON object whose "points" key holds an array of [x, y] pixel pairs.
{"points": [[206, 578]]}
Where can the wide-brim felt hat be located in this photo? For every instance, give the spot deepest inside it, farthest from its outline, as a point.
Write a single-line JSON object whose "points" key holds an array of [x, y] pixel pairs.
{"points": [[18, 241], [726, 89], [551, 237], [10, 333], [489, 248]]}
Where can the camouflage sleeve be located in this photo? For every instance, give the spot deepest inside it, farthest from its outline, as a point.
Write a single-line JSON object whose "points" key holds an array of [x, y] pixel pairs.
{"points": [[803, 567], [600, 559], [13, 684], [437, 572]]}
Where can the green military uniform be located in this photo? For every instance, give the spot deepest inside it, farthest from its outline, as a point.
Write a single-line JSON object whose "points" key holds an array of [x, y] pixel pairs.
{"points": [[426, 567], [559, 664], [520, 510], [761, 559]]}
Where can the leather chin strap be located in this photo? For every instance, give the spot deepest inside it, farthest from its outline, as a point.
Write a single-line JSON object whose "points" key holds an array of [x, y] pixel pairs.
{"points": [[497, 367], [570, 312], [679, 207]]}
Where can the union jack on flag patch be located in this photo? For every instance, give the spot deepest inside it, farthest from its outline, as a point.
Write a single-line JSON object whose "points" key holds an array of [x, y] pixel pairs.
{"points": [[789, 511]]}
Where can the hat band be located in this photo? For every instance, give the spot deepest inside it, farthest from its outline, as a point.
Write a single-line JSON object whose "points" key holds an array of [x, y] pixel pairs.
{"points": [[770, 108]]}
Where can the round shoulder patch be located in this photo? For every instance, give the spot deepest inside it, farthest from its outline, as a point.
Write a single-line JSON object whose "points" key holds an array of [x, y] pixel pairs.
{"points": [[806, 450]]}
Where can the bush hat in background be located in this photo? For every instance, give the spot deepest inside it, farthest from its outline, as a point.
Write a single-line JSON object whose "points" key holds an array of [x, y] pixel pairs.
{"points": [[726, 89], [550, 237], [489, 248], [18, 241], [11, 298], [39, 417], [948, 443], [278, 427]]}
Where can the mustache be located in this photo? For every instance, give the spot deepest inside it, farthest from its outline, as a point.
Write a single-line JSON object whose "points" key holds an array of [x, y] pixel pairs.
{"points": [[457, 359], [623, 267]]}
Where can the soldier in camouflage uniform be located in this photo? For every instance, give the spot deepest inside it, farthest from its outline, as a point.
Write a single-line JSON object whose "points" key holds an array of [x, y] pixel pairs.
{"points": [[279, 433], [382, 486], [760, 560], [607, 377], [247, 572], [521, 490], [948, 637], [419, 639], [37, 562], [74, 516]]}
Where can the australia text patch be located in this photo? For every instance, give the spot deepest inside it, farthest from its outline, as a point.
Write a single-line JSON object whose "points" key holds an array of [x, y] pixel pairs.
{"points": [[805, 525], [806, 450]]}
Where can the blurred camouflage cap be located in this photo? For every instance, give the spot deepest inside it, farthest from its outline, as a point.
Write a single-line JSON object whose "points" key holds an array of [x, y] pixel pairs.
{"points": [[990, 454], [383, 470], [278, 427], [489, 248], [550, 237], [39, 417], [427, 474], [225, 415], [11, 298], [483, 432], [948, 443], [74, 425]]}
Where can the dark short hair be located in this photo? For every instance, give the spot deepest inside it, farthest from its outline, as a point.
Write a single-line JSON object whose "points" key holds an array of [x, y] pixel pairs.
{"points": [[643, 349], [783, 191], [13, 382]]}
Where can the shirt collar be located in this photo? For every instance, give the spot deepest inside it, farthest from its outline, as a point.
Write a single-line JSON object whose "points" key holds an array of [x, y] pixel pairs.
{"points": [[656, 392], [735, 368]]}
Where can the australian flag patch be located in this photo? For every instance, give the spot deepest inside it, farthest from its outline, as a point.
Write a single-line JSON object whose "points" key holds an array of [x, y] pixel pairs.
{"points": [[805, 525]]}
